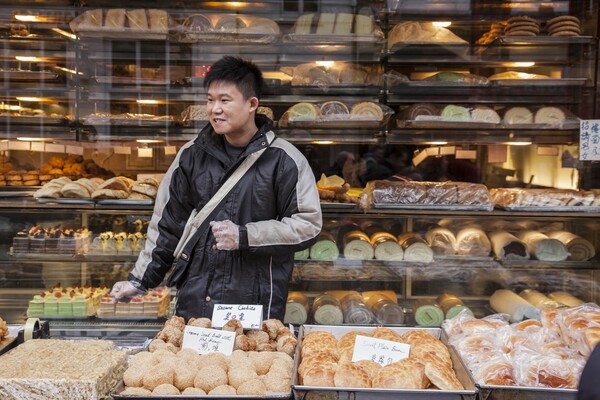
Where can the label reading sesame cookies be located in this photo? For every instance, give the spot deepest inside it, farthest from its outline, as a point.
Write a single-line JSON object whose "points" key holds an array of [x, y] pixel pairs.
{"points": [[250, 315], [381, 351], [589, 140], [208, 340]]}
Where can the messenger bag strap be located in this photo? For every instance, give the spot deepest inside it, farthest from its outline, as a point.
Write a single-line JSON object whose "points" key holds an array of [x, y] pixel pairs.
{"points": [[198, 217]]}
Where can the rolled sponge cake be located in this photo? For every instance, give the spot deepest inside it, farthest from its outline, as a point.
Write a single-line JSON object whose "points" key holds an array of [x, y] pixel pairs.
{"points": [[441, 240], [507, 301], [508, 246], [542, 247], [579, 248]]}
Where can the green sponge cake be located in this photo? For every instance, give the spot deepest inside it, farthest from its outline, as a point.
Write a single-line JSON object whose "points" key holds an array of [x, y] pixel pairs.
{"points": [[456, 113], [36, 307]]}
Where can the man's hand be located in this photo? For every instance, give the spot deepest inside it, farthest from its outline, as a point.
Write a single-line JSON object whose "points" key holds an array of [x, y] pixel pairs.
{"points": [[227, 234], [124, 291]]}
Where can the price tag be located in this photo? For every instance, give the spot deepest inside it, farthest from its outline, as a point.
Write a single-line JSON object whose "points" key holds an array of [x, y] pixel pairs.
{"points": [[208, 340], [74, 150], [589, 139], [381, 351], [250, 315]]}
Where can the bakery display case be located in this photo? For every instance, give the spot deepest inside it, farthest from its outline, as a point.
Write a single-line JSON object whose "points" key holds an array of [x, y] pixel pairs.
{"points": [[468, 96]]}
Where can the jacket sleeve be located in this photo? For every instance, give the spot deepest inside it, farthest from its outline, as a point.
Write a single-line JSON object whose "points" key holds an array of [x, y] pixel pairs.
{"points": [[172, 208], [300, 220]]}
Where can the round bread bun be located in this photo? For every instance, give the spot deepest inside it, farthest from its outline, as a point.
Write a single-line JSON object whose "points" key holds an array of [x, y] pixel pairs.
{"points": [[147, 181], [443, 378], [370, 367], [14, 178], [109, 194], [498, 373], [32, 182], [367, 110], [320, 375], [349, 375], [266, 111], [399, 375], [347, 341], [323, 337], [387, 334], [144, 188]]}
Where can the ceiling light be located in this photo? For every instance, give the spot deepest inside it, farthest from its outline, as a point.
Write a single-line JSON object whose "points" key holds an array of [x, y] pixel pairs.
{"points": [[521, 64], [323, 142], [32, 99], [147, 101], [438, 143], [149, 141], [65, 33], [32, 139], [28, 58], [28, 18], [442, 24], [10, 107], [326, 64], [70, 71], [518, 143]]}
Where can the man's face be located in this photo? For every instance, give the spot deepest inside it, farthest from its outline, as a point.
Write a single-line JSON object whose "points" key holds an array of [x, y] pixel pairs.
{"points": [[228, 111]]}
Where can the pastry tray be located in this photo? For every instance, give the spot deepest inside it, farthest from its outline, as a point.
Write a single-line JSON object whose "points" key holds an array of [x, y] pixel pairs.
{"points": [[226, 37], [583, 209], [449, 124], [442, 207], [552, 40], [325, 39], [128, 121], [7, 343], [124, 34], [340, 124], [15, 193], [335, 205], [25, 119], [120, 387], [28, 75], [125, 202], [436, 84], [540, 82], [429, 48], [48, 200], [525, 393], [123, 80], [301, 391]]}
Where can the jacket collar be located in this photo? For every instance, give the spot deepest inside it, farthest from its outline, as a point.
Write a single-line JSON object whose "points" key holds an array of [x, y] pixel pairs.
{"points": [[212, 142]]}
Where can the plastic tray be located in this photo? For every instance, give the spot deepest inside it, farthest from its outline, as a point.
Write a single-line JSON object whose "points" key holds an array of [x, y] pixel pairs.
{"points": [[525, 393], [447, 124], [17, 119], [544, 39], [44, 200], [125, 202], [324, 39], [124, 34], [583, 209], [28, 75], [226, 37], [300, 391], [540, 82]]}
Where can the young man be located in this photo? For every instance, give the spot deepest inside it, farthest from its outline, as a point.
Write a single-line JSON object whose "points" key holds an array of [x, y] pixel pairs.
{"points": [[246, 255]]}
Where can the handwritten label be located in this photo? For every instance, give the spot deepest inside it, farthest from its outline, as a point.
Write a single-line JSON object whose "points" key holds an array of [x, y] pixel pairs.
{"points": [[250, 315], [381, 351], [589, 140], [208, 340]]}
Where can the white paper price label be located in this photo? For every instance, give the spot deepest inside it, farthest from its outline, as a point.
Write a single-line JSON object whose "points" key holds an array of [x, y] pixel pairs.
{"points": [[589, 140], [249, 315], [381, 351], [208, 340]]}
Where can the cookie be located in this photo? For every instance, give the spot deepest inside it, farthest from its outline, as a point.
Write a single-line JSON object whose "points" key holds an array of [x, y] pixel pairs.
{"points": [[566, 33], [561, 24], [521, 33], [522, 18], [529, 28], [563, 18]]}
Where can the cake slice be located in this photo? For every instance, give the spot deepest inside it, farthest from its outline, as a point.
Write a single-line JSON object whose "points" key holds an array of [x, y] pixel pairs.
{"points": [[363, 24], [303, 24], [326, 24]]}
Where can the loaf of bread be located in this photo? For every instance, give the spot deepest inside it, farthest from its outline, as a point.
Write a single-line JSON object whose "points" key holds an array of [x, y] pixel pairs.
{"points": [[509, 197], [421, 32], [425, 193]]}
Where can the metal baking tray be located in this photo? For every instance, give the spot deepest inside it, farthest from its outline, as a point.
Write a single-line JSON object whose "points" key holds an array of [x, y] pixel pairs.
{"points": [[227, 37], [342, 124], [447, 124], [328, 205], [124, 34], [300, 391], [540, 82], [25, 119], [64, 200], [583, 209], [333, 38], [121, 386], [524, 393], [125, 202], [124, 80], [7, 343], [565, 125], [429, 48], [28, 75], [442, 207], [544, 39], [435, 84], [15, 193], [19, 188]]}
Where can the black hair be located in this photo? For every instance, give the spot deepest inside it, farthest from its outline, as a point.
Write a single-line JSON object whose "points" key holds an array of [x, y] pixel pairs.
{"points": [[244, 74]]}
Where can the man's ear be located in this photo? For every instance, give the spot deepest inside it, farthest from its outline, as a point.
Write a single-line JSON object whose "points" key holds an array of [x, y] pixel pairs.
{"points": [[253, 104]]}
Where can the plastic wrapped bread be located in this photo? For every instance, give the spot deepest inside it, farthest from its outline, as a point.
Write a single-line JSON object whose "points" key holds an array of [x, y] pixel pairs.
{"points": [[386, 247], [542, 247], [538, 299], [328, 23], [579, 248], [357, 246], [510, 197], [565, 298], [228, 27], [580, 327], [421, 32], [508, 246], [425, 193], [508, 302], [415, 247], [325, 248], [121, 20], [441, 240], [472, 242]]}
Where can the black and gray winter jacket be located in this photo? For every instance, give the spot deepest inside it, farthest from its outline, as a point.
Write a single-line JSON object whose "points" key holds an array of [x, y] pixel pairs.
{"points": [[276, 205]]}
